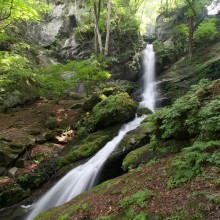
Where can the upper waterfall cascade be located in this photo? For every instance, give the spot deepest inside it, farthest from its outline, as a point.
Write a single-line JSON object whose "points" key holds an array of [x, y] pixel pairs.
{"points": [[85, 176]]}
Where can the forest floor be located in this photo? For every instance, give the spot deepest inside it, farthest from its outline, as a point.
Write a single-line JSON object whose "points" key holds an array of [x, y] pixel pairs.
{"points": [[28, 124], [143, 194]]}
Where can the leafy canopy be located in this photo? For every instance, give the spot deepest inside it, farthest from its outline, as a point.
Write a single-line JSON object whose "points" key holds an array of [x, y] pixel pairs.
{"points": [[12, 11]]}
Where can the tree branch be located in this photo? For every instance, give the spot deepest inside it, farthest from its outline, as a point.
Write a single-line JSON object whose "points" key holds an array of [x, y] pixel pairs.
{"points": [[10, 11]]}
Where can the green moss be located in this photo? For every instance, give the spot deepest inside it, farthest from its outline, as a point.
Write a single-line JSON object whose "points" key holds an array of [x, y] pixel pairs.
{"points": [[136, 157], [92, 101], [138, 199], [118, 108], [12, 195], [88, 146], [187, 72]]}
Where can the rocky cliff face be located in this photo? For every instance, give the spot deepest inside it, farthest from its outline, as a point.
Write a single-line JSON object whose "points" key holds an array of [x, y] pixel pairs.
{"points": [[56, 33]]}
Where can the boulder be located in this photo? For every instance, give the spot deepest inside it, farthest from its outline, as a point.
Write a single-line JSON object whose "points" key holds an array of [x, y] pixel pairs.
{"points": [[115, 109], [144, 111], [13, 194], [10, 150], [20, 92], [91, 101], [131, 141]]}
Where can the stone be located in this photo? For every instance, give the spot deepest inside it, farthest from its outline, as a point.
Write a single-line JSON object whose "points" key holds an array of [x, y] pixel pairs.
{"points": [[143, 111], [115, 109], [12, 172]]}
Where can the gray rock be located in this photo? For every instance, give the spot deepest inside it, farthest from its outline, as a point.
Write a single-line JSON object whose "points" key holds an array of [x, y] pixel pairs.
{"points": [[12, 172], [58, 22]]}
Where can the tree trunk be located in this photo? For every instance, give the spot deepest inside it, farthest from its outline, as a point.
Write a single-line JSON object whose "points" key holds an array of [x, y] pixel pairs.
{"points": [[96, 15], [108, 26], [191, 32]]}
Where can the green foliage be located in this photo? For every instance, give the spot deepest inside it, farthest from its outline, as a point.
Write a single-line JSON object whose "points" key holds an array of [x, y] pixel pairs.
{"points": [[88, 146], [206, 31], [20, 10], [138, 199], [180, 33], [22, 178], [164, 53], [192, 161], [57, 79]]}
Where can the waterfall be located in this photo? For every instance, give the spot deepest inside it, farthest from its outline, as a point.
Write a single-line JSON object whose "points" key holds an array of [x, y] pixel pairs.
{"points": [[149, 93], [85, 176]]}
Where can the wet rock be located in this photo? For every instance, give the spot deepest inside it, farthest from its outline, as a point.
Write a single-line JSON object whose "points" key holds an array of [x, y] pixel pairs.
{"points": [[114, 109], [144, 111]]}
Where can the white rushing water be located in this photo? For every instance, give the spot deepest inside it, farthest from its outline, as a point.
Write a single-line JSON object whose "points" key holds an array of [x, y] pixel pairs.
{"points": [[149, 93], [85, 176]]}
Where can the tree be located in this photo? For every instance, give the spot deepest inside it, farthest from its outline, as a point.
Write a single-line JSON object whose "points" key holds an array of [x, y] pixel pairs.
{"points": [[195, 14], [12, 11], [108, 26], [96, 17]]}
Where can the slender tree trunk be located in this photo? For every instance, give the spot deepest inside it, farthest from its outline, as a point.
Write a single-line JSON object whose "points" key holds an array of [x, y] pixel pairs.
{"points": [[108, 27], [190, 39], [96, 15]]}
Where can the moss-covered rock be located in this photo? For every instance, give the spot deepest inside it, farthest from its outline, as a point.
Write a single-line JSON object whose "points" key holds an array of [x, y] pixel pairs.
{"points": [[176, 81], [92, 101], [8, 153], [18, 92], [12, 194], [88, 146], [115, 109], [39, 176], [135, 158], [144, 111]]}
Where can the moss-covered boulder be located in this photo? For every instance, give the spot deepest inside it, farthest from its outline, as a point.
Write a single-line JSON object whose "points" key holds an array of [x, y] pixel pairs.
{"points": [[144, 111], [19, 92], [135, 158], [88, 146], [91, 101], [12, 194], [132, 140], [10, 151], [115, 109]]}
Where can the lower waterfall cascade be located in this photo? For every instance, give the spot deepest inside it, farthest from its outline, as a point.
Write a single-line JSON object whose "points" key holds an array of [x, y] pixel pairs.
{"points": [[85, 176]]}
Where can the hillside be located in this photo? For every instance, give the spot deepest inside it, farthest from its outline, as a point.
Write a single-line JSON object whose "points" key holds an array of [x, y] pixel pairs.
{"points": [[92, 107]]}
